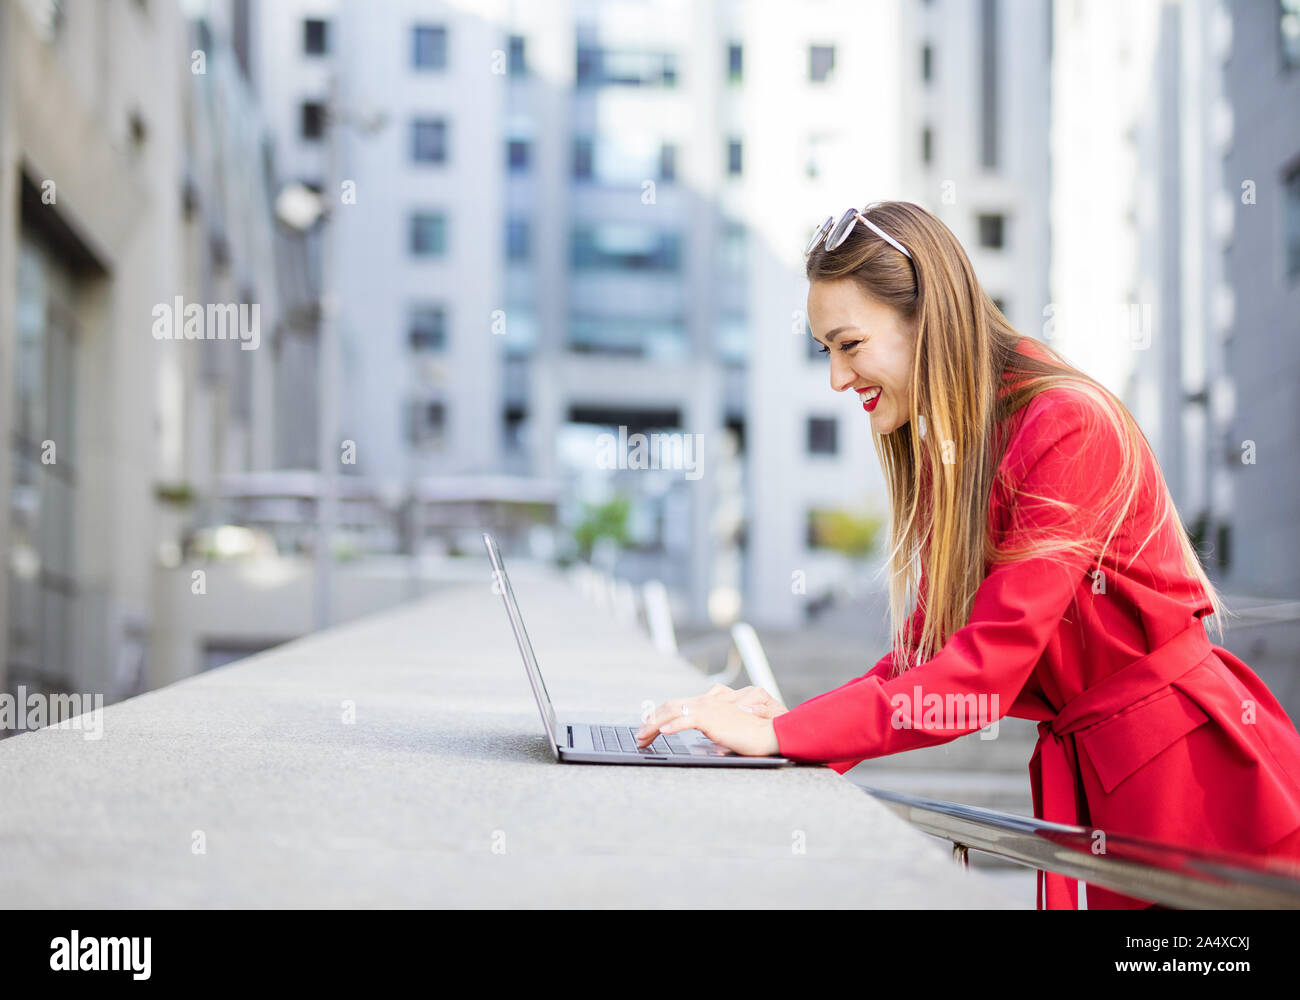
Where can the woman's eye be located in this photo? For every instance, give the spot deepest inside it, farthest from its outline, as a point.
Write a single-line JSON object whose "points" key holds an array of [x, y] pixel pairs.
{"points": [[843, 347]]}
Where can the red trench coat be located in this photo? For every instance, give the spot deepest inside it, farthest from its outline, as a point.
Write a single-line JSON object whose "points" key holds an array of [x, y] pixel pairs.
{"points": [[1145, 728]]}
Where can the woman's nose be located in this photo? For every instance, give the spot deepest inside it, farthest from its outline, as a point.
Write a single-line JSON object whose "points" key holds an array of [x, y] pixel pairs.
{"points": [[842, 374]]}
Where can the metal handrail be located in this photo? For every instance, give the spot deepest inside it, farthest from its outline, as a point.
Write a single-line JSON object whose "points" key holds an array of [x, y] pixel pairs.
{"points": [[1135, 866]]}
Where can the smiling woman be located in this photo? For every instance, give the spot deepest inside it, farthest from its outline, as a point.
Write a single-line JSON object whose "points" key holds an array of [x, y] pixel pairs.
{"points": [[1046, 568]]}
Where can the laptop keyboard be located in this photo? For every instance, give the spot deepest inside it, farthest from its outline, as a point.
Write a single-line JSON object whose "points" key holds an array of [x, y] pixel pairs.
{"points": [[622, 739]]}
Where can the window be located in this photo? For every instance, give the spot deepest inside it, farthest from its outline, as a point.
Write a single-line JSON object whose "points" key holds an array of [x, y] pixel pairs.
{"points": [[821, 435], [733, 338], [515, 418], [520, 335], [43, 585], [582, 158], [624, 67], [927, 61], [668, 162], [625, 247], [624, 158], [629, 336], [735, 63], [927, 145], [517, 155], [1001, 305], [821, 61], [428, 234], [429, 140], [517, 64], [313, 119], [427, 328], [427, 423], [992, 231], [1289, 32], [1291, 221], [429, 47], [314, 38], [735, 159], [734, 249], [517, 239]]}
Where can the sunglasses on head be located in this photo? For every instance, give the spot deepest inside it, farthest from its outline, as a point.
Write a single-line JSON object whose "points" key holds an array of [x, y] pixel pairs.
{"points": [[839, 232]]}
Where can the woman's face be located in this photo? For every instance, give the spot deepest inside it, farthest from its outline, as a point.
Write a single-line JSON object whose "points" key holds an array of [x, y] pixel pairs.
{"points": [[870, 347]]}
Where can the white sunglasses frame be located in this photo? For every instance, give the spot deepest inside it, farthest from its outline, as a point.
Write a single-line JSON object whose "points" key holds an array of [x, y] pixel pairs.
{"points": [[853, 216]]}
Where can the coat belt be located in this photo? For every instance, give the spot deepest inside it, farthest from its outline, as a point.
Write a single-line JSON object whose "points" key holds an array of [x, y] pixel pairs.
{"points": [[1054, 768]]}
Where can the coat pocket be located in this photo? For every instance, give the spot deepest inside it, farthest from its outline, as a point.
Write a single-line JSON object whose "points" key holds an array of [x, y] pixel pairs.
{"points": [[1119, 746]]}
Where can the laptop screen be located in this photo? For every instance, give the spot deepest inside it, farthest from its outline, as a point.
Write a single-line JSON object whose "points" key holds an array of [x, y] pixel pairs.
{"points": [[501, 583]]}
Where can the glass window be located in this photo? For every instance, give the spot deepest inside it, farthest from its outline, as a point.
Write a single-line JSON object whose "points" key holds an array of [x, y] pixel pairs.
{"points": [[624, 67], [429, 47], [515, 420], [927, 145], [517, 66], [314, 37], [520, 330], [429, 140], [821, 435], [1291, 221], [668, 162], [821, 62], [517, 155], [735, 158], [735, 63], [1289, 32], [427, 327], [927, 61], [734, 249], [992, 230], [733, 339], [631, 336], [517, 239], [625, 247], [427, 422], [428, 234], [40, 560], [313, 119], [582, 158]]}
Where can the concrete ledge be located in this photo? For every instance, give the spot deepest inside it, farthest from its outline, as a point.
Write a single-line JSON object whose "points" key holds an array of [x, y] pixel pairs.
{"points": [[446, 758]]}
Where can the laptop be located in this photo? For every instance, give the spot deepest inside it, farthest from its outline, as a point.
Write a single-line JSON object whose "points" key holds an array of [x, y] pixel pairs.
{"points": [[609, 743]]}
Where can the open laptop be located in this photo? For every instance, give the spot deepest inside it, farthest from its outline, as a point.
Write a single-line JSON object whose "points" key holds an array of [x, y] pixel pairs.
{"points": [[584, 743]]}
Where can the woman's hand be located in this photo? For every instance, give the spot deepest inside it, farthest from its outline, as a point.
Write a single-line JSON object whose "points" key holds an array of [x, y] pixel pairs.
{"points": [[740, 720]]}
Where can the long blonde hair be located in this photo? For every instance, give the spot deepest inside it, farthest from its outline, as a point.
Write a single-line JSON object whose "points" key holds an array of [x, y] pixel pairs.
{"points": [[963, 348]]}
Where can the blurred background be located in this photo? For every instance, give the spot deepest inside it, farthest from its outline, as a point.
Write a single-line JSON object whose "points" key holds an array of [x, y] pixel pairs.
{"points": [[296, 296]]}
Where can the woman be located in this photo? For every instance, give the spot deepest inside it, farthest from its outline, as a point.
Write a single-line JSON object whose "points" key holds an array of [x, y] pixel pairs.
{"points": [[1052, 578]]}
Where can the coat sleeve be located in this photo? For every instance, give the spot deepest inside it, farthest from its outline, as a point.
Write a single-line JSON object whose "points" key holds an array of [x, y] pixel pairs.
{"points": [[976, 677], [882, 668]]}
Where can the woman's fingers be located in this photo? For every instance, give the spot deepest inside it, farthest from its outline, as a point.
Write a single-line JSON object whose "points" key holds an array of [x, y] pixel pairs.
{"points": [[661, 715]]}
